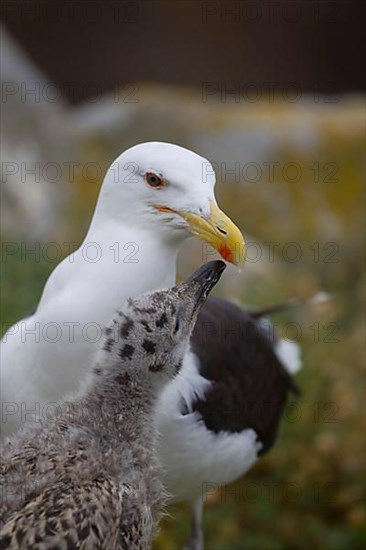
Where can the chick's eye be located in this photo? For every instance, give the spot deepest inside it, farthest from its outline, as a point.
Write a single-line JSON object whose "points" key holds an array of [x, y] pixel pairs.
{"points": [[179, 317], [154, 180]]}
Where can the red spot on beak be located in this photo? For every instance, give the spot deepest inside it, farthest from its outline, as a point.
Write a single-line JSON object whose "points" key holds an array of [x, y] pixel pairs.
{"points": [[226, 253]]}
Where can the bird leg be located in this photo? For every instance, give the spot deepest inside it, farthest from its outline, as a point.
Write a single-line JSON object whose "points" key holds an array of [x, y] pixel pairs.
{"points": [[195, 541]]}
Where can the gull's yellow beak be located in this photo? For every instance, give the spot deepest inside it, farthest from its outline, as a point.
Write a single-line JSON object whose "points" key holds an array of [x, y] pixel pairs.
{"points": [[216, 229]]}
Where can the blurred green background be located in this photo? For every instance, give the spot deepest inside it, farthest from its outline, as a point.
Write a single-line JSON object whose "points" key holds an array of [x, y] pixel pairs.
{"points": [[290, 172]]}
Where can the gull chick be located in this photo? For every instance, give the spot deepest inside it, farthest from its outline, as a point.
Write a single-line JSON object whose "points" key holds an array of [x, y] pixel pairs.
{"points": [[88, 476]]}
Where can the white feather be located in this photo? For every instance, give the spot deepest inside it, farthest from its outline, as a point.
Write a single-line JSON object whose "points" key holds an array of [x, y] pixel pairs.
{"points": [[194, 458], [289, 353]]}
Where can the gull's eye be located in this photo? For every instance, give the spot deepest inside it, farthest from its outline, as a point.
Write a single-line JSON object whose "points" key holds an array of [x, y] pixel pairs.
{"points": [[154, 180]]}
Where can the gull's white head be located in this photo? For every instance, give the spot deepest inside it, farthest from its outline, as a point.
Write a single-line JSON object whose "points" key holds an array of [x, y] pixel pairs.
{"points": [[168, 189]]}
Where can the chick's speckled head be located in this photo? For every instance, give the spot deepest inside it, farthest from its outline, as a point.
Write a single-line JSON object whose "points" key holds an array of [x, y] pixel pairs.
{"points": [[147, 339]]}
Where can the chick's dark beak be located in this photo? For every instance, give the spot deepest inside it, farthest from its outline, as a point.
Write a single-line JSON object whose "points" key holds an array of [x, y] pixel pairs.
{"points": [[204, 279]]}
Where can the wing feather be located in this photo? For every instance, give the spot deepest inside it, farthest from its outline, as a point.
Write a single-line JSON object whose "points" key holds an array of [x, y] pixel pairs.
{"points": [[67, 515]]}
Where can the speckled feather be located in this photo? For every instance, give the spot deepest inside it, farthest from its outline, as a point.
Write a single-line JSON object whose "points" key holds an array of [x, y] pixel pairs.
{"points": [[66, 488]]}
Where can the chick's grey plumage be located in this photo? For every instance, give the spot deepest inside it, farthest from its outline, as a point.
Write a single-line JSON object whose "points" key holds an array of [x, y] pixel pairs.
{"points": [[88, 477]]}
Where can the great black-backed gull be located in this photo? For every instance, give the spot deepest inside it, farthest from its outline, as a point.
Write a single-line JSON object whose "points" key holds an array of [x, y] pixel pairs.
{"points": [[88, 477], [154, 196]]}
